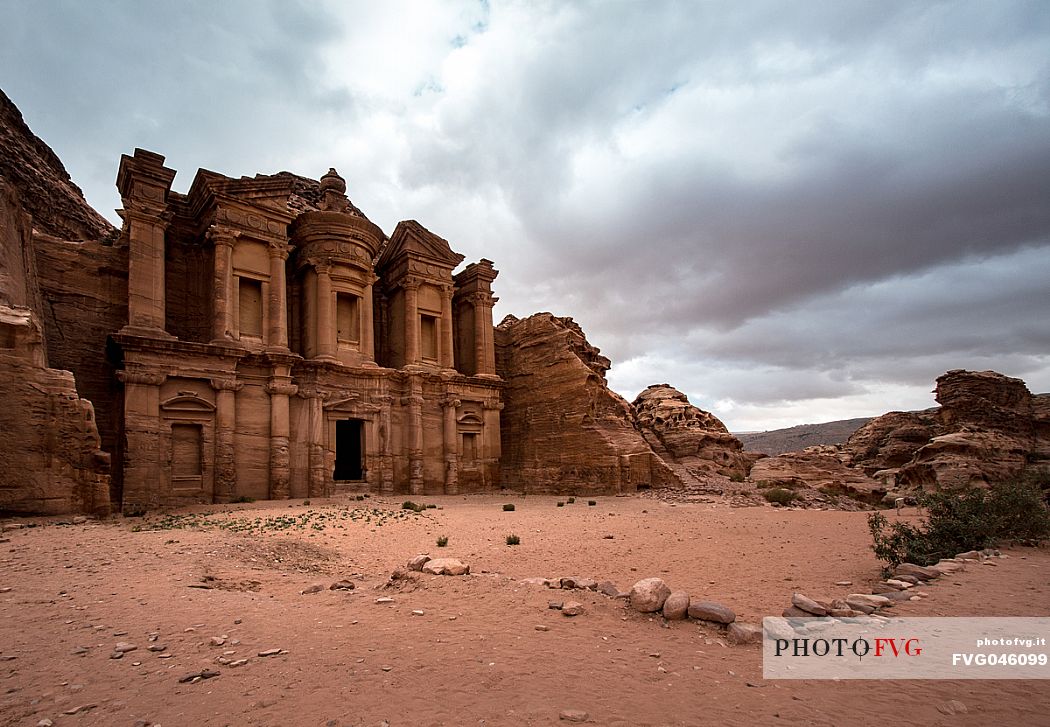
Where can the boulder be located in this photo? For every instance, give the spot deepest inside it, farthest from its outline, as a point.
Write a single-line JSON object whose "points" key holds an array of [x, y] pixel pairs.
{"points": [[866, 602], [808, 605], [920, 572], [648, 595], [446, 567], [676, 607], [743, 633], [571, 608], [417, 562], [711, 611]]}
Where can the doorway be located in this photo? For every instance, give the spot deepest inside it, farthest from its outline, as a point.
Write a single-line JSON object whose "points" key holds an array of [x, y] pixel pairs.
{"points": [[349, 449]]}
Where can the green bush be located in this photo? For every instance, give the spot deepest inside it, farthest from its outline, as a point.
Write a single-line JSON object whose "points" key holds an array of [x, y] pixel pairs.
{"points": [[561, 504], [509, 507], [780, 495], [244, 498], [571, 500], [592, 503], [513, 540], [306, 502], [961, 521], [736, 477], [442, 541]]}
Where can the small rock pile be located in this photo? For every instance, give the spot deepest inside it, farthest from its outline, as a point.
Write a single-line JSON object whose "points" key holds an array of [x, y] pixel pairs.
{"points": [[901, 586], [438, 566]]}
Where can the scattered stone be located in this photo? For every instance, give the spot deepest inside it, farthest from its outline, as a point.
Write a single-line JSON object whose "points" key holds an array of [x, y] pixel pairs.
{"points": [[555, 605], [711, 611], [78, 650], [608, 588], [587, 584], [969, 555], [124, 647], [217, 640], [80, 708], [795, 612], [418, 562], [386, 668], [237, 663], [648, 595], [865, 602], [676, 607], [843, 583], [446, 567], [384, 599], [314, 588], [270, 652], [545, 582], [197, 676], [573, 715], [952, 707], [543, 628], [418, 612], [910, 569], [807, 604], [342, 585], [45, 722], [157, 647], [742, 633], [572, 608], [117, 655]]}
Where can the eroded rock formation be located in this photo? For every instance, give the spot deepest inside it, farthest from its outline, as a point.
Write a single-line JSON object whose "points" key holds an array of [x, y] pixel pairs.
{"points": [[685, 435], [563, 429], [50, 455], [819, 468]]}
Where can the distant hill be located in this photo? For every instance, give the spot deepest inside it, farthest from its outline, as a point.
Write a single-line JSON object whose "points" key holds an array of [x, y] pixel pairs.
{"points": [[799, 437]]}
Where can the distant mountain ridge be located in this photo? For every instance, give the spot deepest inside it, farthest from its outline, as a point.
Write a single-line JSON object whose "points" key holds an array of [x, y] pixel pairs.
{"points": [[793, 439]]}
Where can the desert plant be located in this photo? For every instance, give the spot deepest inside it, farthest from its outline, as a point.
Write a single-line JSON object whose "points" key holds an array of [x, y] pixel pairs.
{"points": [[513, 540], [736, 477], [561, 504], [780, 495], [592, 503], [571, 500], [509, 507], [306, 502], [431, 506], [415, 507], [244, 498], [442, 541], [961, 521]]}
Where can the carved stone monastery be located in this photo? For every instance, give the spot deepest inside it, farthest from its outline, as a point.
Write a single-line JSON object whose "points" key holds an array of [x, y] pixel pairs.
{"points": [[279, 346]]}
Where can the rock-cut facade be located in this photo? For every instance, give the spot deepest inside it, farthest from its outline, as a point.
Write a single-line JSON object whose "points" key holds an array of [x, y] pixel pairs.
{"points": [[278, 344]]}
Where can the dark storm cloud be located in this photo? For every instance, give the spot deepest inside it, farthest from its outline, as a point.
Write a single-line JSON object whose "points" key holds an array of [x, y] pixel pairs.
{"points": [[771, 205]]}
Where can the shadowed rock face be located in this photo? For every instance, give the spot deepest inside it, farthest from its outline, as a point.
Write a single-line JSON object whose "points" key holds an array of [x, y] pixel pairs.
{"points": [[891, 440], [687, 435], [48, 194], [563, 429]]}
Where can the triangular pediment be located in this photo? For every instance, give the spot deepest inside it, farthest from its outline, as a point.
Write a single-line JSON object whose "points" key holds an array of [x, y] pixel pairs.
{"points": [[411, 239]]}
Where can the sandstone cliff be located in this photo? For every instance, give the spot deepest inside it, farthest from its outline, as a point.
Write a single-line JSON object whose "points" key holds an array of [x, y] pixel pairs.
{"points": [[685, 435], [48, 194], [50, 452], [563, 429]]}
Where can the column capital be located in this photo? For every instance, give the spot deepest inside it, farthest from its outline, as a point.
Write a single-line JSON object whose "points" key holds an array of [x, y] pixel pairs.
{"points": [[450, 402], [279, 248], [226, 384], [411, 282], [150, 378], [285, 388], [492, 405], [222, 235]]}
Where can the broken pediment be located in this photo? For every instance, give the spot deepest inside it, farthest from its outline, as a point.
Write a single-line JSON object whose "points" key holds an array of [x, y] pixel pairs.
{"points": [[187, 402], [412, 240]]}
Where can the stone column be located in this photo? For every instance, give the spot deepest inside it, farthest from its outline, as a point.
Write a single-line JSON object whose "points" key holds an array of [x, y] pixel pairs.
{"points": [[415, 435], [277, 334], [386, 456], [447, 358], [316, 475], [451, 433], [325, 315], [146, 289], [279, 389], [368, 339], [491, 442], [411, 322], [484, 338], [223, 241], [225, 489], [144, 481]]}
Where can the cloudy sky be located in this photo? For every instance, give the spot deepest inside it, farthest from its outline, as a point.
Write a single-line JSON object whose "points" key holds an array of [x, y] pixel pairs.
{"points": [[793, 212]]}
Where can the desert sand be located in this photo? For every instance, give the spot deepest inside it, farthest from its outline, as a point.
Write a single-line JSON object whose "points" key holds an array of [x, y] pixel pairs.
{"points": [[235, 574]]}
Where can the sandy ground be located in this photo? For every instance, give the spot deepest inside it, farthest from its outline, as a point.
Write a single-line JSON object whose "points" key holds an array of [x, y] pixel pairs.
{"points": [[69, 593]]}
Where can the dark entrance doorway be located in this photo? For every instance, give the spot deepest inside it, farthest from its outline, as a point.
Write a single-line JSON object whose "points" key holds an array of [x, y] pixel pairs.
{"points": [[349, 449]]}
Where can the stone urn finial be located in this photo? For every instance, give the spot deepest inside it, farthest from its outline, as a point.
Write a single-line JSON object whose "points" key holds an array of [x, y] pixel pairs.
{"points": [[333, 191]]}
